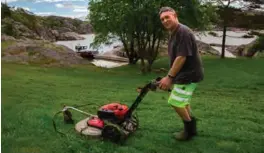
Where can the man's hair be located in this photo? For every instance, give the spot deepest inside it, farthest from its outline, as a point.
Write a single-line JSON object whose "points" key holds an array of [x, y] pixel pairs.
{"points": [[167, 9]]}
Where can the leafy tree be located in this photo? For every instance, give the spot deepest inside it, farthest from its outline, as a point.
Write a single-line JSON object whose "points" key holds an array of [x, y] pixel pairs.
{"points": [[225, 6], [8, 29], [5, 11], [137, 25]]}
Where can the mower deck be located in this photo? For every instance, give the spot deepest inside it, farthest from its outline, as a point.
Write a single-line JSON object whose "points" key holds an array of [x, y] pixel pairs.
{"points": [[84, 129]]}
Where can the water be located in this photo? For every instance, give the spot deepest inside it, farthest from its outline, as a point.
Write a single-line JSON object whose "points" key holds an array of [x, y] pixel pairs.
{"points": [[86, 42], [233, 38], [102, 49]]}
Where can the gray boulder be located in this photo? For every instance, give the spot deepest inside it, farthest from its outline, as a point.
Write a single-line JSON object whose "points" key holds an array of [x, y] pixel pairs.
{"points": [[70, 36], [42, 53]]}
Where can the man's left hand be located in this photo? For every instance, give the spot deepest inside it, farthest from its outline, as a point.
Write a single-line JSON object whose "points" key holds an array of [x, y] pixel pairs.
{"points": [[165, 83]]}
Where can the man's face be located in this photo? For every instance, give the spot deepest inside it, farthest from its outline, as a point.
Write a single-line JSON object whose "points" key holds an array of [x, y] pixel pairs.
{"points": [[168, 19]]}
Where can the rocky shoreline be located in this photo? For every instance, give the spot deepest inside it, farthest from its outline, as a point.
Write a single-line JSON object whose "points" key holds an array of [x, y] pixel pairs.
{"points": [[51, 28], [39, 52], [45, 52]]}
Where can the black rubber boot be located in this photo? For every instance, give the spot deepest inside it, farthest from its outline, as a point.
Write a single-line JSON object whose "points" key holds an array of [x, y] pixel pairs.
{"points": [[193, 130], [190, 130], [186, 134]]}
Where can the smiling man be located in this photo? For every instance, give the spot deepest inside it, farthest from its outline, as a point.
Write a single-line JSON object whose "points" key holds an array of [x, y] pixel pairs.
{"points": [[185, 70]]}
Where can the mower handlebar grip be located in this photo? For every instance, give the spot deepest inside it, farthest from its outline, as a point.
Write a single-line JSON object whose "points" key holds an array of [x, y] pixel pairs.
{"points": [[155, 83]]}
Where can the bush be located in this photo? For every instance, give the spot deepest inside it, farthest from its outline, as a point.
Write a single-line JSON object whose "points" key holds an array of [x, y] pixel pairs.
{"points": [[7, 28], [258, 46], [29, 20], [52, 23]]}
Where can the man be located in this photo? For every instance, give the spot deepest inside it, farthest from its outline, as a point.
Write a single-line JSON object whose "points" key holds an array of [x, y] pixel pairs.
{"points": [[185, 70]]}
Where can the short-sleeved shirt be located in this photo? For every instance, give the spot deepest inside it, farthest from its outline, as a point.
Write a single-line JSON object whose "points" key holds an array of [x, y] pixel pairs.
{"points": [[182, 43]]}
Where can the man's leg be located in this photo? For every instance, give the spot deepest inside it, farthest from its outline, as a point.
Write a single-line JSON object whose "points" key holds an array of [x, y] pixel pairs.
{"points": [[183, 113], [179, 99], [193, 120], [188, 107]]}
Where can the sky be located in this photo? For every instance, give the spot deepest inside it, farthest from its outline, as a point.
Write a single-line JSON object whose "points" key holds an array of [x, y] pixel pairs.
{"points": [[66, 8]]}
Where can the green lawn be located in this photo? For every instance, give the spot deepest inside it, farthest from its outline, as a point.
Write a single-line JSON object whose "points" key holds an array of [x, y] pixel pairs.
{"points": [[229, 104]]}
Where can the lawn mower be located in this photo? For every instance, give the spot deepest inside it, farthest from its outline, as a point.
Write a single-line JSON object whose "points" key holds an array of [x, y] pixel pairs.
{"points": [[114, 121]]}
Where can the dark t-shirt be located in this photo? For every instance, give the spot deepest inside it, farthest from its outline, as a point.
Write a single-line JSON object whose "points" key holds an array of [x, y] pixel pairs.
{"points": [[182, 43]]}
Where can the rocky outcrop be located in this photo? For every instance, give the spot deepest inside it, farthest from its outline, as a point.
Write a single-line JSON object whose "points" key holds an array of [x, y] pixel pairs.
{"points": [[257, 32], [69, 36], [85, 28], [40, 52], [64, 24], [17, 29], [117, 51], [250, 50], [41, 33], [203, 48], [7, 38], [52, 28], [206, 49], [46, 33]]}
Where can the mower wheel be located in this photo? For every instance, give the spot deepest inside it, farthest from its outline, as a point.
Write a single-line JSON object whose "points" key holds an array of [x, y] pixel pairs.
{"points": [[112, 132]]}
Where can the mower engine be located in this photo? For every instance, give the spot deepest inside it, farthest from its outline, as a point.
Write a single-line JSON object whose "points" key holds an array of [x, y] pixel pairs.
{"points": [[111, 120], [114, 112]]}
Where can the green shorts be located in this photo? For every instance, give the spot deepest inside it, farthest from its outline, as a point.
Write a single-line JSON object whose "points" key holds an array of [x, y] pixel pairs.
{"points": [[181, 94]]}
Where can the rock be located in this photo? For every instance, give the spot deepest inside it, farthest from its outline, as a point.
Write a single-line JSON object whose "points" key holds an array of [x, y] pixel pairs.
{"points": [[249, 50], [70, 25], [50, 28], [257, 32], [17, 29], [117, 46], [7, 38], [232, 49], [203, 48], [117, 51], [64, 30], [41, 52], [55, 33], [66, 22], [248, 36], [213, 34], [46, 33], [70, 36], [85, 28], [206, 48]]}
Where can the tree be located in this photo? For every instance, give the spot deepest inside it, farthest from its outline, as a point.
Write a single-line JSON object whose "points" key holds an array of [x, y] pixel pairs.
{"points": [[137, 25], [5, 11], [225, 6]]}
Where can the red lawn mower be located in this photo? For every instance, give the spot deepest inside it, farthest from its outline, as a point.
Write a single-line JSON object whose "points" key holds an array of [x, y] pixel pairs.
{"points": [[113, 121]]}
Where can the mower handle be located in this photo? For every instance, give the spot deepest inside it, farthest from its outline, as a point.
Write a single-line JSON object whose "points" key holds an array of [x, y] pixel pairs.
{"points": [[150, 86], [155, 83], [70, 107]]}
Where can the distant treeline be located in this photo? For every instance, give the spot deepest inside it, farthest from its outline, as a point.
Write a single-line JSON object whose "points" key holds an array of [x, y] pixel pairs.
{"points": [[242, 19]]}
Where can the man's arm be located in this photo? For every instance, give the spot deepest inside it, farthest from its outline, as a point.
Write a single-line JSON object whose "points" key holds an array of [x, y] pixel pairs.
{"points": [[165, 83], [177, 65]]}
